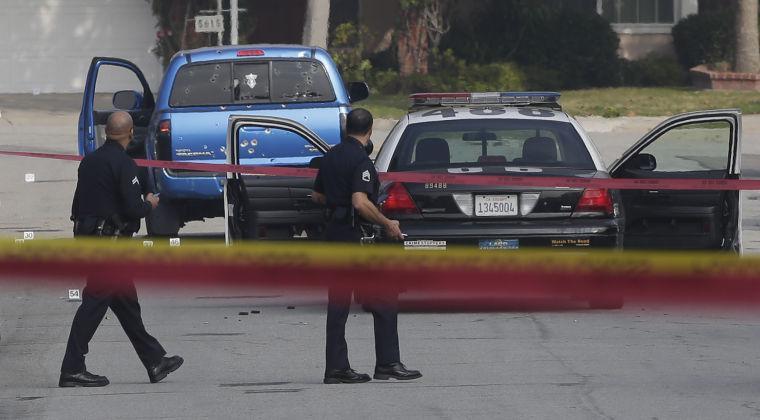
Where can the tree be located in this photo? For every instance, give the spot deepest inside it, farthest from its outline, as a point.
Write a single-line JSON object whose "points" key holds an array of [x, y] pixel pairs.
{"points": [[420, 30], [747, 44], [317, 23]]}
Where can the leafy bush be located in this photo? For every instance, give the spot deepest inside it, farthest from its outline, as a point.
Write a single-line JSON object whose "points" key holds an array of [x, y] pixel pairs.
{"points": [[562, 47], [451, 74], [705, 38], [346, 49], [654, 70]]}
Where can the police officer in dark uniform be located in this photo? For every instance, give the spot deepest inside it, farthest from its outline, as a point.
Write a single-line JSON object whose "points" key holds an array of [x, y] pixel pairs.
{"points": [[108, 203], [348, 185]]}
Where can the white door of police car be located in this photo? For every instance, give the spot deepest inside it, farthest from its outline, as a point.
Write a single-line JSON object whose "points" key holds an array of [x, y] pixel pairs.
{"points": [[696, 145]]}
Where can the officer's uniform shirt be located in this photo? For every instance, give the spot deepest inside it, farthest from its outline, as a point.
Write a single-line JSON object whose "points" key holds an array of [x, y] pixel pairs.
{"points": [[346, 169], [108, 184]]}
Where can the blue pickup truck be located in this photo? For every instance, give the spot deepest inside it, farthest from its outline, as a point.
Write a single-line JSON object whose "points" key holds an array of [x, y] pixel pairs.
{"points": [[187, 121]]}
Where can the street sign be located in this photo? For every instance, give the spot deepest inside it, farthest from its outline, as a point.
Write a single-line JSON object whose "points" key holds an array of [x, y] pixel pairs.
{"points": [[213, 23]]}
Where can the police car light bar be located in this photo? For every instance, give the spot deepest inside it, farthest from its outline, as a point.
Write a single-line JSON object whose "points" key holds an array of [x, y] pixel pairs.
{"points": [[549, 99]]}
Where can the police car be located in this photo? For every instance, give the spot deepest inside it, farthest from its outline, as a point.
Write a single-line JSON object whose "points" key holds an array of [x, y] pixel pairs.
{"points": [[528, 134]]}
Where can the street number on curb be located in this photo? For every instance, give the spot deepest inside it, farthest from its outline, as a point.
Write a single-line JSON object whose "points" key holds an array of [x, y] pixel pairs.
{"points": [[173, 241], [147, 244], [29, 177], [74, 294], [28, 236]]}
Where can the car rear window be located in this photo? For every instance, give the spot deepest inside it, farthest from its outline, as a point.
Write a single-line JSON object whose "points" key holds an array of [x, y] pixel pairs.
{"points": [[491, 142], [239, 82]]}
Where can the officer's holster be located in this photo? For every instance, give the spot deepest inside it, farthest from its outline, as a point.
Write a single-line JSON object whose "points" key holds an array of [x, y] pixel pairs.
{"points": [[112, 227]]}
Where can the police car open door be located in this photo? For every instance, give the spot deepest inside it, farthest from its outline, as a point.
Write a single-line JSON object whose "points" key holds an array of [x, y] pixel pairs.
{"points": [[107, 73], [696, 145], [274, 207]]}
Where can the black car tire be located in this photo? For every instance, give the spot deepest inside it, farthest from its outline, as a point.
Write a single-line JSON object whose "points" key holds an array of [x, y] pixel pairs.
{"points": [[613, 302], [164, 220]]}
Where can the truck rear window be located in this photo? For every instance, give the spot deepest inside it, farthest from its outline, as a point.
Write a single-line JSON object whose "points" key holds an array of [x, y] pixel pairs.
{"points": [[230, 83]]}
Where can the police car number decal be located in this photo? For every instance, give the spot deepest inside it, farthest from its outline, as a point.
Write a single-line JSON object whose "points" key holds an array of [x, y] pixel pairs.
{"points": [[490, 110]]}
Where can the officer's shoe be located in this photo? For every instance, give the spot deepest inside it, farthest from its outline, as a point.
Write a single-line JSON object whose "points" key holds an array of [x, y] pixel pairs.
{"points": [[83, 378], [396, 371], [345, 376], [167, 365]]}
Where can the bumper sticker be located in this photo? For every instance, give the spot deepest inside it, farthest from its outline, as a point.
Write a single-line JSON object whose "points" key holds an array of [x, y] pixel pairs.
{"points": [[489, 244], [425, 244], [570, 242]]}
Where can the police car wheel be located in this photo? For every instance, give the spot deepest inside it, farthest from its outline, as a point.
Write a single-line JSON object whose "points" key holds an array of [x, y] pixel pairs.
{"points": [[164, 220]]}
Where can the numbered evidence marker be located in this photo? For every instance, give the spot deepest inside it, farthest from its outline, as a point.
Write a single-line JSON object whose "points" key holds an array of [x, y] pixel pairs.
{"points": [[147, 244], [74, 294], [29, 177], [173, 241], [28, 236]]}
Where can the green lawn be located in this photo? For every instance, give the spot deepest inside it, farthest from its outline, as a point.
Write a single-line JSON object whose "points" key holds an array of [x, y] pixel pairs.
{"points": [[613, 102]]}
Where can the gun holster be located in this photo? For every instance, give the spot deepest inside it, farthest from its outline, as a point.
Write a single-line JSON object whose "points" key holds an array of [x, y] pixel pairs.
{"points": [[112, 226]]}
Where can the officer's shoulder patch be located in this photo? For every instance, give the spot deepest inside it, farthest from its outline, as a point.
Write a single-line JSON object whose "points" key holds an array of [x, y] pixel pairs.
{"points": [[135, 181], [366, 176]]}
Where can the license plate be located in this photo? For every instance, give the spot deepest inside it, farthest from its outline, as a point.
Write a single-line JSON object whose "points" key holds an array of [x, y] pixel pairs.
{"points": [[495, 205], [489, 244]]}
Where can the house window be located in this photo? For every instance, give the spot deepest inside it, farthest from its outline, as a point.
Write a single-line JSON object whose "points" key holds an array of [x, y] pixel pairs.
{"points": [[638, 11]]}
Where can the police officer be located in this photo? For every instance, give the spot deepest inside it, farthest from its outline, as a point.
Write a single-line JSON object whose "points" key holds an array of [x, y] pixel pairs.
{"points": [[108, 202], [347, 183]]}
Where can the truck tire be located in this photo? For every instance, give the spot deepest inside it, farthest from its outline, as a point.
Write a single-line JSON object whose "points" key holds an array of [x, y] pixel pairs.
{"points": [[164, 220]]}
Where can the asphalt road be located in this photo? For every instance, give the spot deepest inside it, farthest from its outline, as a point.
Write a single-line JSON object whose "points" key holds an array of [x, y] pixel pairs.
{"points": [[555, 360]]}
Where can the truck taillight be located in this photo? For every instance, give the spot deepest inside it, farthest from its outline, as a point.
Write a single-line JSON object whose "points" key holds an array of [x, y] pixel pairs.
{"points": [[398, 201], [164, 140], [595, 200]]}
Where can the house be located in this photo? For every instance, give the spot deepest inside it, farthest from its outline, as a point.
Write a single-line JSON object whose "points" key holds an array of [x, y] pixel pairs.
{"points": [[46, 45], [644, 26]]}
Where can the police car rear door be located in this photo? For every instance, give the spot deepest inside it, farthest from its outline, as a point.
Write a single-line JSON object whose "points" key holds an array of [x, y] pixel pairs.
{"points": [[276, 205], [128, 90], [696, 145]]}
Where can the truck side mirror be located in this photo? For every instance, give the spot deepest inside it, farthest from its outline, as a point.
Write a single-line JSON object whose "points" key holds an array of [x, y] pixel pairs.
{"points": [[127, 100], [357, 91]]}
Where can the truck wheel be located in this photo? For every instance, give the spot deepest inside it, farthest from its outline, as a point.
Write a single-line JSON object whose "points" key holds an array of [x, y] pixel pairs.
{"points": [[612, 302], [164, 220]]}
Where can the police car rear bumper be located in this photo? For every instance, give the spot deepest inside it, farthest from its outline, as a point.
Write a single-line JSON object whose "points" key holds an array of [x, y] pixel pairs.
{"points": [[573, 233]]}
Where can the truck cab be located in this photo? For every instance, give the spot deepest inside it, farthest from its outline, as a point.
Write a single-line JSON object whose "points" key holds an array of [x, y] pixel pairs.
{"points": [[187, 120]]}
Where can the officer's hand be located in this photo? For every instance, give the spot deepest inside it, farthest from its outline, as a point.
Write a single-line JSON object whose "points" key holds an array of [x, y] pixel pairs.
{"points": [[393, 230], [152, 199]]}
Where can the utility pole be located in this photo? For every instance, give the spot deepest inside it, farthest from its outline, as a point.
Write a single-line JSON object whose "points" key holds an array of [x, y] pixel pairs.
{"points": [[316, 24], [233, 22], [220, 34]]}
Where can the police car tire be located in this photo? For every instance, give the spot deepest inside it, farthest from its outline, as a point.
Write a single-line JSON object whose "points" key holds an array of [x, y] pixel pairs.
{"points": [[164, 220]]}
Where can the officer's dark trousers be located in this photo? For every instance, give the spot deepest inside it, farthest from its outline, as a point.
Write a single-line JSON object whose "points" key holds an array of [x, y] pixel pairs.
{"points": [[119, 294], [384, 310]]}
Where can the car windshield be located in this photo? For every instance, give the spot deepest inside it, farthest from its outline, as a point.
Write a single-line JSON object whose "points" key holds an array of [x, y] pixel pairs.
{"points": [[243, 82], [491, 142]]}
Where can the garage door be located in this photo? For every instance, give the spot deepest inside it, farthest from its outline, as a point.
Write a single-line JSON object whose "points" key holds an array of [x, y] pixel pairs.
{"points": [[46, 45]]}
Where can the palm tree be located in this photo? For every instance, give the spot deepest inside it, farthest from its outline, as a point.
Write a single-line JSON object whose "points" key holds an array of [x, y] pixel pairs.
{"points": [[747, 46], [317, 23]]}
